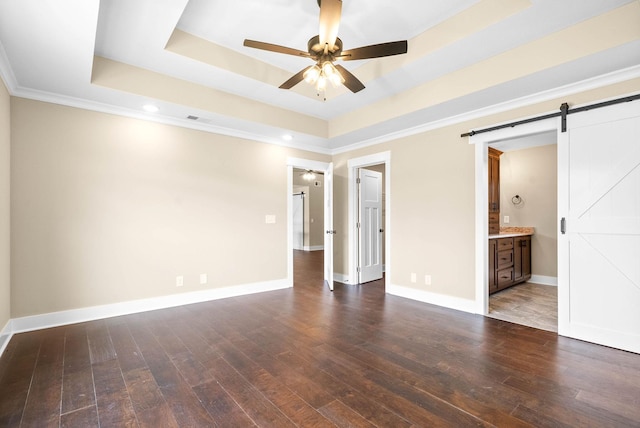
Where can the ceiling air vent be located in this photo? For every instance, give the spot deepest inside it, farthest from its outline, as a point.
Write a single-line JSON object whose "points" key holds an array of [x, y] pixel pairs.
{"points": [[192, 117]]}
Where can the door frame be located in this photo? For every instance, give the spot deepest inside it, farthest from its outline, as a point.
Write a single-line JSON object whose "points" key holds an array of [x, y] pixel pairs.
{"points": [[325, 168], [352, 214], [481, 142]]}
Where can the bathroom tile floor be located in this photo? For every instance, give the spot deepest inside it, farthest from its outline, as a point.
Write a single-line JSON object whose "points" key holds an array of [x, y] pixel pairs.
{"points": [[533, 305]]}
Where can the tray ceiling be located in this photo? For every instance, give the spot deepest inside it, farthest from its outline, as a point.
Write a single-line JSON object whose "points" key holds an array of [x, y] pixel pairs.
{"points": [[187, 57]]}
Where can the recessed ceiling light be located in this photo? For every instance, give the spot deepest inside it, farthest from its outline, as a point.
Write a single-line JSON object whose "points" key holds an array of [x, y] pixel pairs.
{"points": [[150, 108], [287, 137]]}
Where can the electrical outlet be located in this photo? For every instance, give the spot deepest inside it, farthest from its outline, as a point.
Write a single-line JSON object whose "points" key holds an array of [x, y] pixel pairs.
{"points": [[413, 277], [427, 280], [179, 281], [270, 219], [506, 219], [203, 278]]}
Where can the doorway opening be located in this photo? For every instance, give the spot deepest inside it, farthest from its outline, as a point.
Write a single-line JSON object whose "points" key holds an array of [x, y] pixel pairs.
{"points": [[308, 210], [370, 223], [528, 182], [310, 216], [369, 218], [529, 197]]}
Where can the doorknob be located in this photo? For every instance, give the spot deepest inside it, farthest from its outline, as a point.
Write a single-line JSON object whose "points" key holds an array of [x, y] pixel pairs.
{"points": [[331, 232], [381, 230]]}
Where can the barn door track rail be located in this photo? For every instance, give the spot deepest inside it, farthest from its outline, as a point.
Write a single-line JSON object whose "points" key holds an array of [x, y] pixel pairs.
{"points": [[563, 113]]}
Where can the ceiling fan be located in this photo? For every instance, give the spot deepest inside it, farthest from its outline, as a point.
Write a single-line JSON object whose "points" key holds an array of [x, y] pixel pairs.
{"points": [[325, 48]]}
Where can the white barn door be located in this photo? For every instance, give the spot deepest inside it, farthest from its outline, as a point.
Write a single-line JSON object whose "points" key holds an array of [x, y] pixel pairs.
{"points": [[599, 189]]}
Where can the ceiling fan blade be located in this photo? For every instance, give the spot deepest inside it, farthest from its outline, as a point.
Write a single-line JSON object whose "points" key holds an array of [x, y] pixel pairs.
{"points": [[350, 81], [375, 51], [295, 79], [274, 48], [330, 12]]}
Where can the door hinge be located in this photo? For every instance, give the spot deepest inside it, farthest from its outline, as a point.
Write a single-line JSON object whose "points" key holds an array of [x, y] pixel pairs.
{"points": [[563, 226], [358, 225], [358, 269], [358, 180]]}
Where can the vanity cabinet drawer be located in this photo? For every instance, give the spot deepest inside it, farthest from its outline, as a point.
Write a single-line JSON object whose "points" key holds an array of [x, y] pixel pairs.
{"points": [[505, 244], [505, 259], [505, 277], [494, 223]]}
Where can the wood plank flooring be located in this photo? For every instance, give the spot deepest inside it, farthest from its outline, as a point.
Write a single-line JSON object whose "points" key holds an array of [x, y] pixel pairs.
{"points": [[307, 357], [534, 305]]}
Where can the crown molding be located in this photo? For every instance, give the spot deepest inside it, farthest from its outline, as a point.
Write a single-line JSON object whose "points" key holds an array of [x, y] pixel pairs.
{"points": [[6, 73], [96, 106], [559, 92]]}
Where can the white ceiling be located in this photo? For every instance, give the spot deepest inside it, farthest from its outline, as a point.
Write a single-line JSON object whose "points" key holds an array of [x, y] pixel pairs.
{"points": [[47, 50]]}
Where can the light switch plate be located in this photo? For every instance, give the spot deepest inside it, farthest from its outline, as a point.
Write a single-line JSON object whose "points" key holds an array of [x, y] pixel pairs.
{"points": [[506, 219]]}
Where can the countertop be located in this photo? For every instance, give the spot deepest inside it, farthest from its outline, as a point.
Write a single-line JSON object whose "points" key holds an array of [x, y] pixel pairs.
{"points": [[511, 231]]}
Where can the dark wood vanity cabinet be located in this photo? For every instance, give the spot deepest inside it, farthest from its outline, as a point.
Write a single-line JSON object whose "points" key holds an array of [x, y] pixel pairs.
{"points": [[509, 262], [521, 258], [492, 266]]}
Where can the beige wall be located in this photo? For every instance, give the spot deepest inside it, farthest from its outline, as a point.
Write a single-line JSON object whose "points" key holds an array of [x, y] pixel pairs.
{"points": [[5, 280], [432, 205], [533, 175], [433, 199], [108, 209]]}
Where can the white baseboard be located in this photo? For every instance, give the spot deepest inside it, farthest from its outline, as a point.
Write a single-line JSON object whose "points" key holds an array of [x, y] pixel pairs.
{"points": [[314, 248], [344, 279], [450, 302], [5, 336], [37, 322], [544, 280]]}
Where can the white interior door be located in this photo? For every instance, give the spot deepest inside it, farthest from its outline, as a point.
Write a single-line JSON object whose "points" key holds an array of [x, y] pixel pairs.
{"points": [[370, 225], [297, 206], [599, 267], [328, 226]]}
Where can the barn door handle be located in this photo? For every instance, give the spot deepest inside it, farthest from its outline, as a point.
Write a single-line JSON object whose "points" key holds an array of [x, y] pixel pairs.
{"points": [[563, 226]]}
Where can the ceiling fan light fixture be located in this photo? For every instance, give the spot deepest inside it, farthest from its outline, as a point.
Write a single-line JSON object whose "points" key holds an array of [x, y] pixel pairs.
{"points": [[312, 74], [321, 84], [308, 175], [332, 74], [328, 69], [325, 48]]}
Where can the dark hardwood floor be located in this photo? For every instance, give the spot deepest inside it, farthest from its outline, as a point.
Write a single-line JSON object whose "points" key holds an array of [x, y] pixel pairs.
{"points": [[309, 357]]}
